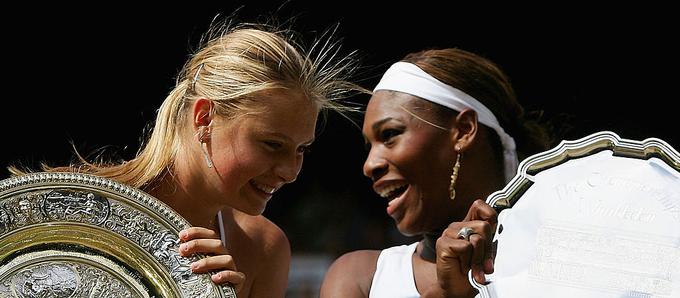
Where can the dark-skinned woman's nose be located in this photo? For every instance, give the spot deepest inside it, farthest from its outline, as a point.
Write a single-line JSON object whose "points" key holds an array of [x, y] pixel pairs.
{"points": [[374, 166]]}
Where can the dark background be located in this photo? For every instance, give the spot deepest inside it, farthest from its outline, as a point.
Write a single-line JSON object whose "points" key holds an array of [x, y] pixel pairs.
{"points": [[94, 76]]}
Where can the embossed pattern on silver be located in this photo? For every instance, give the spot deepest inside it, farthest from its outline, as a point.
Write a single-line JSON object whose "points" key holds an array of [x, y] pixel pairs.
{"points": [[79, 200], [53, 273]]}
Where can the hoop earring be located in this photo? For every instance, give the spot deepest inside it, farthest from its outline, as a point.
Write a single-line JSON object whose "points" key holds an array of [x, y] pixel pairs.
{"points": [[202, 135], [454, 177]]}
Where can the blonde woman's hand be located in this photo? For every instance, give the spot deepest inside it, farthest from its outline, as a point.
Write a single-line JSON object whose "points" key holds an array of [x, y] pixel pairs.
{"points": [[198, 240]]}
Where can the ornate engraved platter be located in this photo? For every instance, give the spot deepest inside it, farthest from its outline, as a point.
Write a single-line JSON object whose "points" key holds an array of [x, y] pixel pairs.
{"points": [[595, 217], [76, 235]]}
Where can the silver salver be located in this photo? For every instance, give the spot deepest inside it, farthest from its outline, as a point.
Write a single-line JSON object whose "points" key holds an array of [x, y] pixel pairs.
{"points": [[595, 217], [76, 235]]}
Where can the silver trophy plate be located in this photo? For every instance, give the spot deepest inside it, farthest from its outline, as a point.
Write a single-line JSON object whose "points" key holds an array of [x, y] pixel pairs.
{"points": [[65, 235], [595, 217]]}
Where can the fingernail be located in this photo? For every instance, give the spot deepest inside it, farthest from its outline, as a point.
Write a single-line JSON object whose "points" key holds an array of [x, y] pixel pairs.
{"points": [[194, 266], [183, 247], [182, 234], [216, 277]]}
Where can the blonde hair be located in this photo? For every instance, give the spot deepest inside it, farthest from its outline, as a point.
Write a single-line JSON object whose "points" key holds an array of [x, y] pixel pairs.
{"points": [[233, 64]]}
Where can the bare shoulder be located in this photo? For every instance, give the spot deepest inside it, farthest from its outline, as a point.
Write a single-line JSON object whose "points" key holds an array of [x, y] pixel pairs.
{"points": [[262, 251], [264, 231], [350, 275], [360, 261]]}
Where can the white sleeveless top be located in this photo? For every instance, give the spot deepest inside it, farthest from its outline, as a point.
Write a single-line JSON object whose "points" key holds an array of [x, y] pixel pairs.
{"points": [[393, 276]]}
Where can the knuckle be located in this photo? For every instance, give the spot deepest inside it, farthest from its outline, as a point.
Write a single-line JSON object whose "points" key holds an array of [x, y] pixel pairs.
{"points": [[452, 230], [478, 203], [477, 241], [455, 226], [485, 226], [228, 259]]}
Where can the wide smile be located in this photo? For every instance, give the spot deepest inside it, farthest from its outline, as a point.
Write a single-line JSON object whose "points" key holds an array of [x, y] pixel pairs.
{"points": [[395, 193], [263, 189]]}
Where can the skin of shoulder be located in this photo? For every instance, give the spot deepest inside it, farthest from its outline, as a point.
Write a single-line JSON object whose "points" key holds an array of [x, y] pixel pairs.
{"points": [[350, 275], [262, 251]]}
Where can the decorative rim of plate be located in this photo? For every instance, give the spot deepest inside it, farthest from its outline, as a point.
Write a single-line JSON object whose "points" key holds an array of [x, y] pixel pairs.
{"points": [[158, 210], [158, 207], [572, 149]]}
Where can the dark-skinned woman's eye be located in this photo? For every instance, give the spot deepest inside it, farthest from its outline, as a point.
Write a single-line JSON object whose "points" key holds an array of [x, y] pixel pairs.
{"points": [[388, 134]]}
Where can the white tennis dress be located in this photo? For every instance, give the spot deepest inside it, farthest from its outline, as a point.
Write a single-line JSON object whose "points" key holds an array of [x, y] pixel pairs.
{"points": [[393, 276]]}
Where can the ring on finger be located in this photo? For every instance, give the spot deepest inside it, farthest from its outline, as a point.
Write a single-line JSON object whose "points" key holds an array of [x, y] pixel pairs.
{"points": [[465, 233]]}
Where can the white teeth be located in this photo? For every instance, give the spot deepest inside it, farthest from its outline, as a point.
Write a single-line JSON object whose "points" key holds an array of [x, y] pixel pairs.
{"points": [[265, 188], [385, 193]]}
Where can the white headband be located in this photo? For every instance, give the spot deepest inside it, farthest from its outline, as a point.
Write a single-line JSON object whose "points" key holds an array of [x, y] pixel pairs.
{"points": [[409, 78]]}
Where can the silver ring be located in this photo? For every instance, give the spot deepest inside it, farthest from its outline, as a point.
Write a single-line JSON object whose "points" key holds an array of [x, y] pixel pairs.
{"points": [[465, 233]]}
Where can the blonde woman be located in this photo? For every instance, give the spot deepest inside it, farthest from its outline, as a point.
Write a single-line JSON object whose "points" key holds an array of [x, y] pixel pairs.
{"points": [[231, 133]]}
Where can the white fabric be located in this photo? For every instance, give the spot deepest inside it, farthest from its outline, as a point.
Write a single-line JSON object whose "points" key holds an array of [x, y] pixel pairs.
{"points": [[393, 276], [409, 78]]}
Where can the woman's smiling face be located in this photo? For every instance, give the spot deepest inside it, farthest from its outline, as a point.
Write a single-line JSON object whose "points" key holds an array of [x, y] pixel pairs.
{"points": [[256, 154], [409, 161]]}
